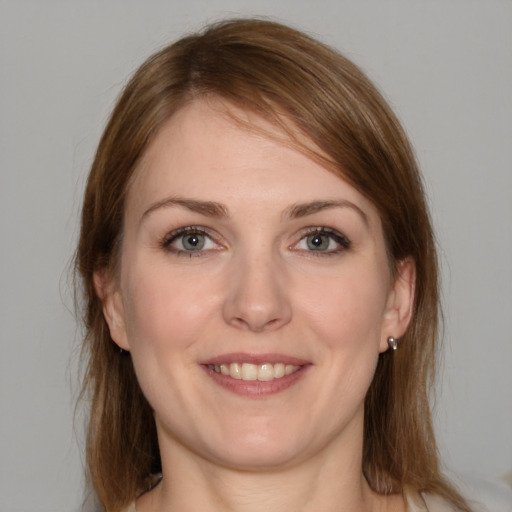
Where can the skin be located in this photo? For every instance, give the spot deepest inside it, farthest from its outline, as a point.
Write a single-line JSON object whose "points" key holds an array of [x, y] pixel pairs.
{"points": [[258, 286]]}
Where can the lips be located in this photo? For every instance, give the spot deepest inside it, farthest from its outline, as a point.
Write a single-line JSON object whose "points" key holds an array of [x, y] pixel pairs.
{"points": [[255, 374]]}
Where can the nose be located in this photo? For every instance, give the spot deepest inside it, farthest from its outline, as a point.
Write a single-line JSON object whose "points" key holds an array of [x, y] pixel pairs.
{"points": [[256, 295]]}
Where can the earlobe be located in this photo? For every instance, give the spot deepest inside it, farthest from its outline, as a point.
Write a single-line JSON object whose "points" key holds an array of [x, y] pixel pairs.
{"points": [[113, 310], [400, 304]]}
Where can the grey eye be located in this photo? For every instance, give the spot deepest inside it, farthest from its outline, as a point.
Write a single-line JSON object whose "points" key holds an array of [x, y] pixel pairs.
{"points": [[318, 242], [323, 241], [189, 240], [193, 241]]}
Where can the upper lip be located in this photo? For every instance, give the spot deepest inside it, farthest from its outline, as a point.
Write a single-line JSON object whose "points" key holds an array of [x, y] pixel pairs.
{"points": [[242, 357]]}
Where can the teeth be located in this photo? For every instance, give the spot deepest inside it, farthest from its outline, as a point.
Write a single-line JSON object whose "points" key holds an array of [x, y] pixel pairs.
{"points": [[235, 370], [289, 368], [279, 370], [249, 371], [266, 372]]}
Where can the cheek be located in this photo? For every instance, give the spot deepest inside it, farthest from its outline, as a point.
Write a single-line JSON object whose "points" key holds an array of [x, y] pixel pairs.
{"points": [[164, 311], [352, 315], [165, 317]]}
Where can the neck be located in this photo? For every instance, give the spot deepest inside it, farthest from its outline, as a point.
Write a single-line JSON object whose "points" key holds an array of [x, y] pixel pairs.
{"points": [[329, 481]]}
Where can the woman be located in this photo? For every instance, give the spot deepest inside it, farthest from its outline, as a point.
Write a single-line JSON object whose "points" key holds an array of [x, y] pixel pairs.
{"points": [[260, 284]]}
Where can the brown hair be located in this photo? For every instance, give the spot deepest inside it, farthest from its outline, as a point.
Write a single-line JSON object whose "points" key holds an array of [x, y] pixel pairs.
{"points": [[273, 70]]}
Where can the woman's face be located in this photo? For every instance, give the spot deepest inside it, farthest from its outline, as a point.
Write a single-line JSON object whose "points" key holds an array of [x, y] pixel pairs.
{"points": [[254, 293]]}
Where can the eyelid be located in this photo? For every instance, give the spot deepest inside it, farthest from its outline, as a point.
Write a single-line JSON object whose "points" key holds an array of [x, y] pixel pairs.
{"points": [[169, 238], [344, 243]]}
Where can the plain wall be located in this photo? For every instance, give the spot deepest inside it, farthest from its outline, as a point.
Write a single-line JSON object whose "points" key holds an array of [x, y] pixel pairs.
{"points": [[446, 68]]}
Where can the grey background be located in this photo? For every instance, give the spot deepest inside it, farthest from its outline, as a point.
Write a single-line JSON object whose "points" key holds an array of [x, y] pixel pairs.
{"points": [[445, 67]]}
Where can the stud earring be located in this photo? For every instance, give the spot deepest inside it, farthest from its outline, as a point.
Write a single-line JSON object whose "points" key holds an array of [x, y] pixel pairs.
{"points": [[393, 343]]}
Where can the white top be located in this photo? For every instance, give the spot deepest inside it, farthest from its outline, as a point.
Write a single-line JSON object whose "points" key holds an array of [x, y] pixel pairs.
{"points": [[423, 503]]}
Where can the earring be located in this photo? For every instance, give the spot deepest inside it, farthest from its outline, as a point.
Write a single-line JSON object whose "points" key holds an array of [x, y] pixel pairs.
{"points": [[393, 343]]}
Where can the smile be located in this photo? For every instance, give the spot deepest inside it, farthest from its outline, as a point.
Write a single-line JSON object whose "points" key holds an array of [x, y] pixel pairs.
{"points": [[256, 375], [255, 372]]}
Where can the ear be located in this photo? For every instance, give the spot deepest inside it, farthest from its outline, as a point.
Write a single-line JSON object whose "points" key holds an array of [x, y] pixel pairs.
{"points": [[108, 291], [400, 303]]}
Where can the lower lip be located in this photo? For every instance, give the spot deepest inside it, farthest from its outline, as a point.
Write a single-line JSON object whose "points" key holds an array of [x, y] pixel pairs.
{"points": [[256, 388]]}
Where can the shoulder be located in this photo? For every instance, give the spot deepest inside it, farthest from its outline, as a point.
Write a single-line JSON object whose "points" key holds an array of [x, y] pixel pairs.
{"points": [[480, 499], [435, 503], [485, 494], [416, 502], [130, 508]]}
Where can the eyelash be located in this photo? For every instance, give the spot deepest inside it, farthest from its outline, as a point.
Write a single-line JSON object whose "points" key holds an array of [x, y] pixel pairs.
{"points": [[343, 243], [175, 235], [341, 240]]}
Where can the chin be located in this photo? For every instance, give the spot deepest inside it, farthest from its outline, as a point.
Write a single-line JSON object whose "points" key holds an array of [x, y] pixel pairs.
{"points": [[258, 459], [257, 448]]}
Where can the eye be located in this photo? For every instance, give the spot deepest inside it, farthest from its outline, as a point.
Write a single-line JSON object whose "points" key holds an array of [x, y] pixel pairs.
{"points": [[323, 240], [189, 240]]}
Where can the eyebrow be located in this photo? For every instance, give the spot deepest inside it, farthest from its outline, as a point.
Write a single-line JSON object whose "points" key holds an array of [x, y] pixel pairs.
{"points": [[304, 209], [207, 208], [218, 210]]}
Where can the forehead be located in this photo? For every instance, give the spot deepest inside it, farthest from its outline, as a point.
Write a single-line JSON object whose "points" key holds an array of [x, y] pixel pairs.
{"points": [[213, 148]]}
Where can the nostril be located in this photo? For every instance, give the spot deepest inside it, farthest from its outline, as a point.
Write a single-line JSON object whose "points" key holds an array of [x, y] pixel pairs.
{"points": [[257, 323], [256, 299]]}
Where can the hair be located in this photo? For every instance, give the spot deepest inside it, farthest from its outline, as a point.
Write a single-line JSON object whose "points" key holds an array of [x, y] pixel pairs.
{"points": [[279, 73]]}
